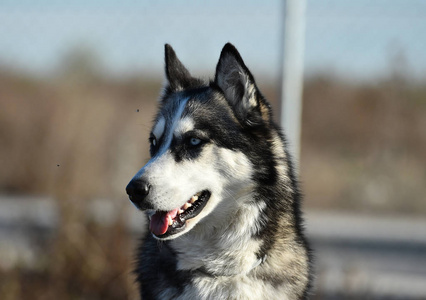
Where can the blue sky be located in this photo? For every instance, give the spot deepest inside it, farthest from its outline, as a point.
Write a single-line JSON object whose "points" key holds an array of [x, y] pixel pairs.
{"points": [[356, 39]]}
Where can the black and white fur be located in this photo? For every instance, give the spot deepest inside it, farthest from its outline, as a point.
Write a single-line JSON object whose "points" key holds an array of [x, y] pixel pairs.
{"points": [[217, 140]]}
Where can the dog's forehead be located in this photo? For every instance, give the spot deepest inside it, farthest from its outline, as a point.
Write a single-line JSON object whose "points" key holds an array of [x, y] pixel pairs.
{"points": [[185, 124], [174, 118]]}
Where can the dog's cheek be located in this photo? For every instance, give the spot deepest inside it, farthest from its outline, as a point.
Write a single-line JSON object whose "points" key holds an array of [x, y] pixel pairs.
{"points": [[234, 165]]}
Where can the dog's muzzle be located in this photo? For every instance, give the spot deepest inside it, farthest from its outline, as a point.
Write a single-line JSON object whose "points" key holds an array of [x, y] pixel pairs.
{"points": [[138, 190]]}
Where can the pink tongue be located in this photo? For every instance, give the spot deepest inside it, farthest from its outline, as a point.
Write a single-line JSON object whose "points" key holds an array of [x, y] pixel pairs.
{"points": [[160, 221]]}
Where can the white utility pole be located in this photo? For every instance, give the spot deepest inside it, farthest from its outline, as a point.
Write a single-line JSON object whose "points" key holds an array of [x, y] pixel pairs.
{"points": [[292, 73]]}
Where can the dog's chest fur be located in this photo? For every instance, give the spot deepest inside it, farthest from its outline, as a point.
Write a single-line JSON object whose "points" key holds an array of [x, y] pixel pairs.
{"points": [[226, 265], [161, 277]]}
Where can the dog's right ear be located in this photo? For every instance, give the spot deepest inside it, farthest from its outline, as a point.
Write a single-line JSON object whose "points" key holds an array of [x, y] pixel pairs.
{"points": [[238, 86], [178, 77]]}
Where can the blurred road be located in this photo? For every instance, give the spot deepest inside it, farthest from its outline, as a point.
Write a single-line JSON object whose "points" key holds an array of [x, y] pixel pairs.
{"points": [[384, 257], [356, 256]]}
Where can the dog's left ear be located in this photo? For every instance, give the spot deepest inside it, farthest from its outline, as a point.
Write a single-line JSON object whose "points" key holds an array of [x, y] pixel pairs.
{"points": [[239, 87], [178, 77]]}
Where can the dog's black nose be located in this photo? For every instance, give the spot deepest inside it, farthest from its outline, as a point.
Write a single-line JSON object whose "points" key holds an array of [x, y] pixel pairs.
{"points": [[138, 189]]}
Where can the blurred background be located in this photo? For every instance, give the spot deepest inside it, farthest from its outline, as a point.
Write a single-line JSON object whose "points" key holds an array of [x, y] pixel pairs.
{"points": [[79, 81]]}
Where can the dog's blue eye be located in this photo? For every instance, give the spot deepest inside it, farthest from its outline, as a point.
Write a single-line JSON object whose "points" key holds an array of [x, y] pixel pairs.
{"points": [[194, 141]]}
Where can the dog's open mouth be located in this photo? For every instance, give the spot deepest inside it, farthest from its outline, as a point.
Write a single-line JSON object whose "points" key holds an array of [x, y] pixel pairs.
{"points": [[167, 223]]}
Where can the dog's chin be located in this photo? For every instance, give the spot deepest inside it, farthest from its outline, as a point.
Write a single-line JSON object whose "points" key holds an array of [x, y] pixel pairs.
{"points": [[167, 225]]}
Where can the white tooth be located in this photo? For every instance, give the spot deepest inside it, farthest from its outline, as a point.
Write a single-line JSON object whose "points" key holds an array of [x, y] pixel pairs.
{"points": [[193, 199], [170, 221], [186, 205], [180, 211]]}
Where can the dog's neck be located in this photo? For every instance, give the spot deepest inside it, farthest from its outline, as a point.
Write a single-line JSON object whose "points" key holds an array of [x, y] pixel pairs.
{"points": [[214, 262], [203, 271], [220, 251]]}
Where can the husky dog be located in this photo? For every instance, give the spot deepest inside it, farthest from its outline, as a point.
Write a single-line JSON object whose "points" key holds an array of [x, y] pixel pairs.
{"points": [[220, 193]]}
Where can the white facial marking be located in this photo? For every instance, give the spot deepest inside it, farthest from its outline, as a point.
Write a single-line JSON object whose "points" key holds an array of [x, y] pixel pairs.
{"points": [[158, 131], [159, 128], [175, 121], [184, 125]]}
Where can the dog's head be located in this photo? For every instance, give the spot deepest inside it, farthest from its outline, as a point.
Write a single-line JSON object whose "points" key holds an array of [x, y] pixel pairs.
{"points": [[203, 146]]}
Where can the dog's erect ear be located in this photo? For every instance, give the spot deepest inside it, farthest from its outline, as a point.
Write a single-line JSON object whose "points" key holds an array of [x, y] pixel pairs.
{"points": [[177, 75], [238, 85]]}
